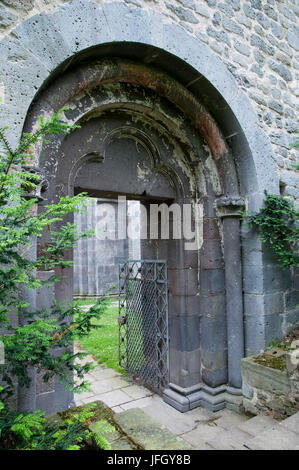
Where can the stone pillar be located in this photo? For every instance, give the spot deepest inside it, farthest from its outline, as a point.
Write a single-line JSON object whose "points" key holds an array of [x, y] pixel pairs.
{"points": [[27, 395], [228, 210]]}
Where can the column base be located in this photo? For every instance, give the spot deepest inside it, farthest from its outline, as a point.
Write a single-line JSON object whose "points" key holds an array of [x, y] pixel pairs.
{"points": [[215, 399]]}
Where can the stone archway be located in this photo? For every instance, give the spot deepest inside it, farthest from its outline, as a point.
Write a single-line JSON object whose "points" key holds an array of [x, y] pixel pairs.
{"points": [[118, 30], [118, 99]]}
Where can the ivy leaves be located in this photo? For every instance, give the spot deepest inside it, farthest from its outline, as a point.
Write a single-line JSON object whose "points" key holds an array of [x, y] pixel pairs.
{"points": [[277, 223]]}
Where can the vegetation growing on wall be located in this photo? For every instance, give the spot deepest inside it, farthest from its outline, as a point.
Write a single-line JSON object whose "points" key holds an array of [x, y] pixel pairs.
{"points": [[277, 223]]}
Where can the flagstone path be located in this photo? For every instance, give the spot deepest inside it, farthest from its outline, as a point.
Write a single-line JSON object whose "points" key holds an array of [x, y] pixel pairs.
{"points": [[197, 429]]}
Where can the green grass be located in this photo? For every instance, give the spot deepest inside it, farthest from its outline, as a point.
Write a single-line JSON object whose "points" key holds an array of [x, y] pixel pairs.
{"points": [[102, 343], [86, 301]]}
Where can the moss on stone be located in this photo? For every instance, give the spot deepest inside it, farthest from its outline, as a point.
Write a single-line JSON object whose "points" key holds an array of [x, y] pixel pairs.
{"points": [[268, 360]]}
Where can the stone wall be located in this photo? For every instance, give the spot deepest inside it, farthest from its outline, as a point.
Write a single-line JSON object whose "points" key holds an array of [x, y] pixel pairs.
{"points": [[256, 39], [239, 59], [96, 259], [269, 390]]}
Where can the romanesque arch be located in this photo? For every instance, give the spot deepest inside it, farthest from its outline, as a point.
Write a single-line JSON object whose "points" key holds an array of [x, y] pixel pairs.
{"points": [[209, 121]]}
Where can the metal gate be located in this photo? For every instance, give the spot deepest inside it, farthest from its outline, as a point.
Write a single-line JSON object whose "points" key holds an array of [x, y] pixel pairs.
{"points": [[143, 321]]}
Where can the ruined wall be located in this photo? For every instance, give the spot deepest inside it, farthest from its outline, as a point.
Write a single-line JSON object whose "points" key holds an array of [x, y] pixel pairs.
{"points": [[96, 259], [257, 43], [256, 39]]}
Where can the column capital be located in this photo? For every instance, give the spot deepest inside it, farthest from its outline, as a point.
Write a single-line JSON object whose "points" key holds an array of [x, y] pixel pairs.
{"points": [[230, 205]]}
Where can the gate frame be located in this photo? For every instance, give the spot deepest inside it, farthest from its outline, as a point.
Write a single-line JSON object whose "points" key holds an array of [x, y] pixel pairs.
{"points": [[163, 378]]}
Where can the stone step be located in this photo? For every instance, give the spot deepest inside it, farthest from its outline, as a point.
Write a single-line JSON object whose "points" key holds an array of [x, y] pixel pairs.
{"points": [[147, 433], [259, 433], [237, 435], [257, 424], [291, 423], [280, 436]]}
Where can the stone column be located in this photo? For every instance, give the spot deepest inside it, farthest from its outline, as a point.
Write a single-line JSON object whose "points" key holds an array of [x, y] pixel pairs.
{"points": [[27, 395], [229, 207]]}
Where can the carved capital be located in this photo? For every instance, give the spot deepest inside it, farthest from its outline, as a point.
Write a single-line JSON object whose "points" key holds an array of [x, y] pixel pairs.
{"points": [[229, 206]]}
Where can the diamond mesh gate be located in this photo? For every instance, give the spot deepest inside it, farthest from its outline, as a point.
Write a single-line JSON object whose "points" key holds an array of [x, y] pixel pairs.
{"points": [[143, 321]]}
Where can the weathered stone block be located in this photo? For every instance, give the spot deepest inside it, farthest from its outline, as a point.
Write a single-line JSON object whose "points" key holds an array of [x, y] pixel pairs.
{"points": [[7, 18], [236, 4], [183, 281], [242, 48], [292, 300], [19, 4], [265, 378], [214, 377], [211, 255], [211, 306], [263, 20], [277, 30], [281, 69], [202, 10], [213, 334], [184, 332], [219, 35], [211, 228], [212, 281], [44, 40], [183, 305], [253, 279], [257, 4], [249, 11], [261, 44], [232, 27], [182, 13], [226, 9], [270, 12]]}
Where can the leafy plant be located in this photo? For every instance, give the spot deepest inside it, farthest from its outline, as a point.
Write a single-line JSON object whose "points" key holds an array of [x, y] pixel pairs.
{"points": [[31, 431], [277, 223], [42, 338]]}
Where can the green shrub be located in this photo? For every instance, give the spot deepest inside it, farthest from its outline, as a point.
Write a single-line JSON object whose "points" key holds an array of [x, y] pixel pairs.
{"points": [[43, 337]]}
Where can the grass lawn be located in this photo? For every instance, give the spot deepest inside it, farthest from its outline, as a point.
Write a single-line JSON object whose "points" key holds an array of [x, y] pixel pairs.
{"points": [[86, 301], [102, 343]]}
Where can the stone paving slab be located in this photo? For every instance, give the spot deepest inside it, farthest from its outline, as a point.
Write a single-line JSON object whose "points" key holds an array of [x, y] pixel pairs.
{"points": [[233, 439], [257, 424], [291, 423], [227, 418], [147, 433], [137, 392], [142, 403], [102, 386], [83, 396], [276, 438], [200, 414], [202, 433], [117, 409], [121, 444], [200, 428], [113, 382], [101, 373], [176, 422], [114, 398]]}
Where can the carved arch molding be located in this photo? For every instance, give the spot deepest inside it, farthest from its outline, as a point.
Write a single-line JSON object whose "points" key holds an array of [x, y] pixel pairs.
{"points": [[186, 159]]}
